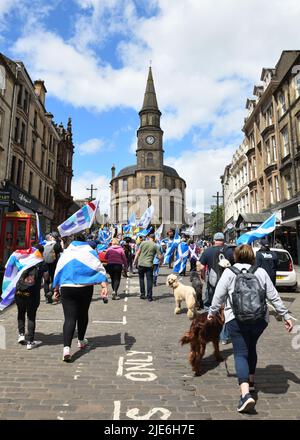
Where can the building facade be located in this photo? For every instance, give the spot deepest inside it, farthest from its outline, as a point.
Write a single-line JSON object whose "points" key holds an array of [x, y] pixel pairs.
{"points": [[235, 189], [32, 149], [272, 148], [149, 182]]}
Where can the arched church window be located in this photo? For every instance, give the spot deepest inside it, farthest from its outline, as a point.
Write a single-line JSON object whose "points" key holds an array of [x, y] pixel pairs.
{"points": [[152, 181], [150, 161], [147, 182]]}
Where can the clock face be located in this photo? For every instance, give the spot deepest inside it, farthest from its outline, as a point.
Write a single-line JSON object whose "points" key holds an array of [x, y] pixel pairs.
{"points": [[150, 140]]}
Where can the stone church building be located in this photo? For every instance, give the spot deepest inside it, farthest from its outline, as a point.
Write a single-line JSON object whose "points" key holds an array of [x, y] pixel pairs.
{"points": [[149, 181]]}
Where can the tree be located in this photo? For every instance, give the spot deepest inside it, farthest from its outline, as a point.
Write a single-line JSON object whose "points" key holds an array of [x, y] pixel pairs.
{"points": [[216, 219]]}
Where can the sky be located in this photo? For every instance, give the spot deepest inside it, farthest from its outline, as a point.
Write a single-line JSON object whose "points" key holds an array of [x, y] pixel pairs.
{"points": [[94, 55]]}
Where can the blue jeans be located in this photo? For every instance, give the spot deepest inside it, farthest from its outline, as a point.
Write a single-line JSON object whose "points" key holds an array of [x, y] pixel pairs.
{"points": [[149, 276], [208, 296], [244, 339], [224, 335]]}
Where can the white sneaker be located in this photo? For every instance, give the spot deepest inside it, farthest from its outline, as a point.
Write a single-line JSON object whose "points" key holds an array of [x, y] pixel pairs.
{"points": [[21, 339], [66, 354], [34, 344], [83, 343]]}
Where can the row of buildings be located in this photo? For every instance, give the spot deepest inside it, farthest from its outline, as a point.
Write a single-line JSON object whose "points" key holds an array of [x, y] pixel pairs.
{"points": [[264, 174], [36, 154]]}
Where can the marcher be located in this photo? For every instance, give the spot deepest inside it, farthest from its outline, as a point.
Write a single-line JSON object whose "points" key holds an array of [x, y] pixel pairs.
{"points": [[193, 254], [128, 253], [210, 258], [27, 299], [77, 271], [245, 332], [144, 257], [116, 259], [267, 259], [157, 261], [52, 251]]}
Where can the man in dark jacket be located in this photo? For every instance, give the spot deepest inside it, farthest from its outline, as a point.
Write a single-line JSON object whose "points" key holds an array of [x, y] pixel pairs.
{"points": [[267, 259]]}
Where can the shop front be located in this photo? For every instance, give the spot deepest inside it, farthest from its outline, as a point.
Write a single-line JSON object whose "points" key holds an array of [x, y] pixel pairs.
{"points": [[291, 229]]}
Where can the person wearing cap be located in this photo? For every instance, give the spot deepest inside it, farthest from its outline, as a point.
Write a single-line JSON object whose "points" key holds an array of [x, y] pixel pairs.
{"points": [[207, 261], [267, 259]]}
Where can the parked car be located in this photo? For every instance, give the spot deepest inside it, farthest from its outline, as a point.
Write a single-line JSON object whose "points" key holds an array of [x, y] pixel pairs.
{"points": [[286, 275]]}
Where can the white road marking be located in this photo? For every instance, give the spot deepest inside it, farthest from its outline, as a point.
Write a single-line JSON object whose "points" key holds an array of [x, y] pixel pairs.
{"points": [[60, 418], [117, 409], [66, 404], [124, 320], [120, 366], [126, 299], [122, 338], [125, 308], [109, 322], [76, 376]]}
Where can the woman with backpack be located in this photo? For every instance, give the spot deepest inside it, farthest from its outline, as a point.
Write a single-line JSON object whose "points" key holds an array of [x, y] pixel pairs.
{"points": [[244, 289]]}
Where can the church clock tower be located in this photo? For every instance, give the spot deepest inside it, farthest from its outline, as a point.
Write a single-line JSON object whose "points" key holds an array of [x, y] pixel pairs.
{"points": [[149, 145]]}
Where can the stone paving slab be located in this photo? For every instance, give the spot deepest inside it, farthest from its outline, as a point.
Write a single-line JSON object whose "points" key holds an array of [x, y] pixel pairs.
{"points": [[135, 367]]}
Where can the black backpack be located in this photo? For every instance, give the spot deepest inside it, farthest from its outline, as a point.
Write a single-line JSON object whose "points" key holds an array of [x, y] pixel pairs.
{"points": [[27, 281], [248, 298], [216, 270]]}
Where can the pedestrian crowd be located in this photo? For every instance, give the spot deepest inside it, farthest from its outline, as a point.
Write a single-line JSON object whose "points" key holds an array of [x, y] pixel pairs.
{"points": [[233, 277]]}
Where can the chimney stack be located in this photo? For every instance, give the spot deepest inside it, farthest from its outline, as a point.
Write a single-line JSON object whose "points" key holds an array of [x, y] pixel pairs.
{"points": [[113, 171], [40, 90]]}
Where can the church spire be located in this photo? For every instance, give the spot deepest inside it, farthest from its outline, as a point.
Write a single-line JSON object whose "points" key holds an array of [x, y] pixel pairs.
{"points": [[150, 101]]}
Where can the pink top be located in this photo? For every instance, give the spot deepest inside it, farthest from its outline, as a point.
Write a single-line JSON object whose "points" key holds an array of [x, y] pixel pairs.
{"points": [[116, 255]]}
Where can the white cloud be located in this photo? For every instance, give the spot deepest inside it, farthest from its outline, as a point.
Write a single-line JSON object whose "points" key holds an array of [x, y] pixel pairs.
{"points": [[205, 54], [202, 170], [91, 146], [84, 181]]}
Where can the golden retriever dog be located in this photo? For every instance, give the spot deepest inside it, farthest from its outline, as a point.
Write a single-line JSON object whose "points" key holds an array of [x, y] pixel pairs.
{"points": [[182, 293]]}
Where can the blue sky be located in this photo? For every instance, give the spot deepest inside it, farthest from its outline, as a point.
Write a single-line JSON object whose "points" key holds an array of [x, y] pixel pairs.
{"points": [[94, 55]]}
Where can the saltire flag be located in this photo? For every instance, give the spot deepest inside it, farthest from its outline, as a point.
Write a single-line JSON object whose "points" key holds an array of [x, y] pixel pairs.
{"points": [[261, 231], [132, 219], [82, 219], [38, 228], [144, 232], [126, 228], [79, 264], [104, 236], [158, 232], [172, 246], [181, 257], [146, 217], [18, 262]]}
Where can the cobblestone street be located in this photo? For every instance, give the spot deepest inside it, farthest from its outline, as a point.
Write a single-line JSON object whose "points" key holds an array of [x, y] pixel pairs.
{"points": [[135, 367]]}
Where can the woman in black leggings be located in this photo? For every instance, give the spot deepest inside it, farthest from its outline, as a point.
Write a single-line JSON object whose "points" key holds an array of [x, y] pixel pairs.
{"points": [[76, 300]]}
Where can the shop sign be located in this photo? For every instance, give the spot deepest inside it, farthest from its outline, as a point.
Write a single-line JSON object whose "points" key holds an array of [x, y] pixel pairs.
{"points": [[4, 198]]}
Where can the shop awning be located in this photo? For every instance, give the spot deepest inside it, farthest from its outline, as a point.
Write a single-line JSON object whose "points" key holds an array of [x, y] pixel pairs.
{"points": [[24, 208]]}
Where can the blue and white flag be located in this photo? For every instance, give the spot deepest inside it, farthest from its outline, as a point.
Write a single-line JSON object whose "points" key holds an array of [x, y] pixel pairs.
{"points": [[172, 246], [181, 257], [18, 262], [158, 232], [104, 236], [38, 228], [144, 232], [79, 264], [146, 217], [132, 220], [264, 229], [82, 219]]}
